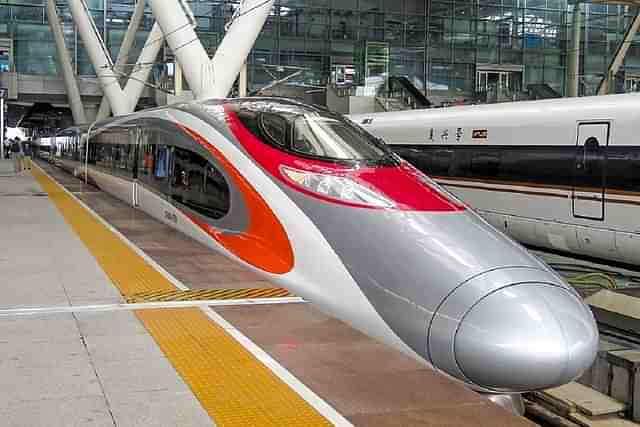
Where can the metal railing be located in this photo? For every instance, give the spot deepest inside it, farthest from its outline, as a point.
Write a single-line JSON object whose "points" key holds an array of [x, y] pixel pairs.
{"points": [[35, 14]]}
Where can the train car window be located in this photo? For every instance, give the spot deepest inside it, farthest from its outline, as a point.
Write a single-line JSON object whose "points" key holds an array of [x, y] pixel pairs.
{"points": [[623, 168], [311, 132], [145, 158], [198, 185], [154, 159], [331, 138], [460, 164], [592, 155], [158, 158], [124, 159], [441, 162], [590, 164], [104, 155], [276, 128], [486, 165]]}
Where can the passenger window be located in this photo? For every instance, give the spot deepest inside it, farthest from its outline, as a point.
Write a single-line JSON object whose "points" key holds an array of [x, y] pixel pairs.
{"points": [[145, 157], [198, 185], [121, 155], [592, 161], [591, 144], [485, 165], [103, 155], [591, 153], [153, 165], [441, 162]]}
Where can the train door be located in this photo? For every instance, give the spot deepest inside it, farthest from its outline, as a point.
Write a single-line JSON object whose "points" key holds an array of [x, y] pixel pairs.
{"points": [[590, 171]]}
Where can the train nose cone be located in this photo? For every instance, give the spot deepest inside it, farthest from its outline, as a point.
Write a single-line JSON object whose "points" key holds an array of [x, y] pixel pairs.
{"points": [[525, 337]]}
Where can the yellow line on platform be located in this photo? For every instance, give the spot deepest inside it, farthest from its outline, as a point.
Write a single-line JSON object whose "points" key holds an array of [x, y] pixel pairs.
{"points": [[210, 294], [128, 271], [232, 385]]}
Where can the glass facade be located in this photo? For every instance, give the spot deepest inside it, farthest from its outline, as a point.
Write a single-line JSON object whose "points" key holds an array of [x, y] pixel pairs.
{"points": [[460, 49]]}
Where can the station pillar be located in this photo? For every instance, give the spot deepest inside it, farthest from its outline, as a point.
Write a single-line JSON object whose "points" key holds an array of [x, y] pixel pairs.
{"points": [[178, 25], [66, 69], [123, 54], [99, 57], [573, 65]]}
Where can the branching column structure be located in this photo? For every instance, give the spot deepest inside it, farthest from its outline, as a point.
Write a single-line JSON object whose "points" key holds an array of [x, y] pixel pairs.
{"points": [[120, 101], [621, 53], [123, 54], [211, 78], [99, 56], [140, 74], [234, 49], [178, 25], [66, 69]]}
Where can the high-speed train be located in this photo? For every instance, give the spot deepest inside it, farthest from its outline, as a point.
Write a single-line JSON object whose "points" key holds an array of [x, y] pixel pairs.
{"points": [[560, 174], [315, 204]]}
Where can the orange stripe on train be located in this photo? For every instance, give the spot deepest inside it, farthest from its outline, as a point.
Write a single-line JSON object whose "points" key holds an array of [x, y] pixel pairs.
{"points": [[265, 244]]}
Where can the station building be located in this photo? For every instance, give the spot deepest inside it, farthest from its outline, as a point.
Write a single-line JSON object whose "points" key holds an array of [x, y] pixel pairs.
{"points": [[471, 51]]}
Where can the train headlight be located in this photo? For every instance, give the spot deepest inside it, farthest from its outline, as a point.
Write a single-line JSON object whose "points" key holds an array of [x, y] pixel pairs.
{"points": [[339, 188]]}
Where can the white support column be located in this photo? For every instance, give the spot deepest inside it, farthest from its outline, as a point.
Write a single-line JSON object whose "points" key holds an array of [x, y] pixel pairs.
{"points": [[618, 58], [138, 78], [177, 80], [123, 54], [99, 56], [573, 66], [177, 24], [66, 69], [2, 147], [234, 49], [242, 81]]}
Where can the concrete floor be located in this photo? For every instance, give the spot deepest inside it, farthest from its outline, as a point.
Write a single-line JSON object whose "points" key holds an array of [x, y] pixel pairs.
{"points": [[6, 167], [73, 369]]}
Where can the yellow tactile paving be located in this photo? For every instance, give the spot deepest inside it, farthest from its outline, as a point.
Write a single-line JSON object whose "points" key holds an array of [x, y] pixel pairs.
{"points": [[232, 385], [208, 294], [127, 270]]}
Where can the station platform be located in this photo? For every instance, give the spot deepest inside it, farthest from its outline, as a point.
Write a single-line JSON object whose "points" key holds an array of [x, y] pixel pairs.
{"points": [[110, 318]]}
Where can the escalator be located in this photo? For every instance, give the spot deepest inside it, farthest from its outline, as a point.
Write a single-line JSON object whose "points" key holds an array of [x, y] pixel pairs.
{"points": [[542, 91], [403, 84]]}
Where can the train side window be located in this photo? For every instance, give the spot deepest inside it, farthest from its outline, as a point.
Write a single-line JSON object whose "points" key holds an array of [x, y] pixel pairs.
{"points": [[485, 165], [591, 154], [154, 161], [124, 159], [198, 185], [104, 155], [441, 162], [145, 154], [623, 168]]}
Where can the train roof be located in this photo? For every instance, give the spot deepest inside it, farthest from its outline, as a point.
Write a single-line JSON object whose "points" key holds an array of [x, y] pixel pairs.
{"points": [[551, 106]]}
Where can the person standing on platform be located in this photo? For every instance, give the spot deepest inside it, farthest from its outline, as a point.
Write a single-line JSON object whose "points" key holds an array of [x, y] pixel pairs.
{"points": [[17, 154], [27, 148], [7, 148]]}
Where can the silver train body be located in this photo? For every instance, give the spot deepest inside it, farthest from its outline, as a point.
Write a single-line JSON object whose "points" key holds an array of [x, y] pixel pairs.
{"points": [[316, 205], [560, 174]]}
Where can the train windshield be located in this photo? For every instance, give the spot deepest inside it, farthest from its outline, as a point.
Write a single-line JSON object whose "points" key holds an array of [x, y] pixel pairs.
{"points": [[311, 132]]}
